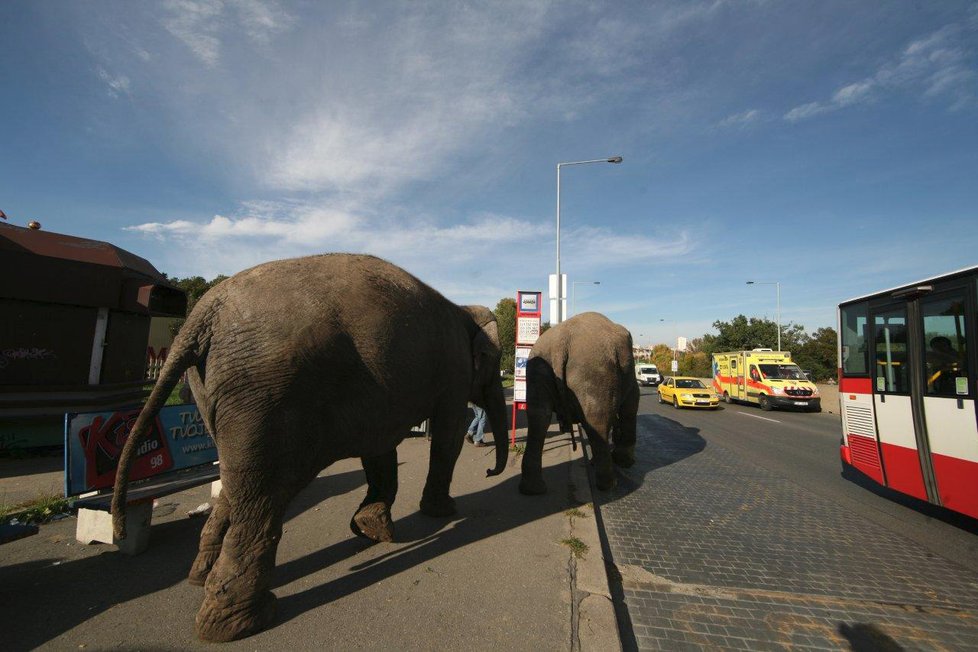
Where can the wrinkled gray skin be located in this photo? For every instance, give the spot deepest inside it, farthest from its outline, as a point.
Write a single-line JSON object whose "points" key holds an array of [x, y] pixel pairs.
{"points": [[583, 370], [296, 364]]}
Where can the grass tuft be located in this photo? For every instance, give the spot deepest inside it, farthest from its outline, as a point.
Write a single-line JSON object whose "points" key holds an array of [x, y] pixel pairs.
{"points": [[577, 547], [39, 510]]}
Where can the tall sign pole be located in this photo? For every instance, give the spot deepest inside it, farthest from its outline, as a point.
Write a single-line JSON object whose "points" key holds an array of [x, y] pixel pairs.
{"points": [[529, 306]]}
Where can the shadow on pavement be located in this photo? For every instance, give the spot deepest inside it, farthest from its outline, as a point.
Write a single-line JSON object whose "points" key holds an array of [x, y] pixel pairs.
{"points": [[661, 442], [72, 592], [44, 598], [481, 515], [955, 519]]}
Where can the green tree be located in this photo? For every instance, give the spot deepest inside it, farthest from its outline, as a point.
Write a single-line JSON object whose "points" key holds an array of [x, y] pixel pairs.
{"points": [[741, 333], [698, 364], [195, 287], [662, 358], [818, 354], [506, 323]]}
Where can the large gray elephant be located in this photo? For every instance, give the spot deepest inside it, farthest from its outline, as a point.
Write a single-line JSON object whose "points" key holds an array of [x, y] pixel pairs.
{"points": [[296, 364], [583, 370]]}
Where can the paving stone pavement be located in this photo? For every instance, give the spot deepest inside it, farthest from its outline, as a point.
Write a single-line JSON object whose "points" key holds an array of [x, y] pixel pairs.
{"points": [[715, 552]]}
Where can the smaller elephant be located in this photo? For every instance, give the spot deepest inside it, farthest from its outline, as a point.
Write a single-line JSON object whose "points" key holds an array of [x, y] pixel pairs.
{"points": [[583, 370]]}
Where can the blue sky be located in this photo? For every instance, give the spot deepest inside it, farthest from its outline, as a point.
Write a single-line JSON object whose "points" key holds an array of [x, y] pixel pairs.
{"points": [[830, 146]]}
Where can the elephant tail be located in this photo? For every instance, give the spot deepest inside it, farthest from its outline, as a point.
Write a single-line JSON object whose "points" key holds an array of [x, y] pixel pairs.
{"points": [[182, 356]]}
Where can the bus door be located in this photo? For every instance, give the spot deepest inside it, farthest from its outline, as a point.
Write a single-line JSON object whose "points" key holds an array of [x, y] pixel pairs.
{"points": [[948, 396], [893, 402]]}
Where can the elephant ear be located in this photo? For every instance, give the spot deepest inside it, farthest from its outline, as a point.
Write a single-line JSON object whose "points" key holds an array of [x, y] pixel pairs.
{"points": [[485, 345]]}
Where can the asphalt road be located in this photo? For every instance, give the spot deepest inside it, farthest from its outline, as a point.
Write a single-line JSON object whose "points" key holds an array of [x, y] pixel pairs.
{"points": [[735, 529]]}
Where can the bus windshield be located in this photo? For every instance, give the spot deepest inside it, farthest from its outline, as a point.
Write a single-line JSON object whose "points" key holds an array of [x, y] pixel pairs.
{"points": [[782, 372]]}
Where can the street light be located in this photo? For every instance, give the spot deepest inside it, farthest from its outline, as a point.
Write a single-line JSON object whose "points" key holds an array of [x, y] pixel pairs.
{"points": [[778, 285], [574, 293], [614, 159]]}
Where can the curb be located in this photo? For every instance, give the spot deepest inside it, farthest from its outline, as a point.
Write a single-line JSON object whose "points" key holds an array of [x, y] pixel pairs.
{"points": [[593, 611]]}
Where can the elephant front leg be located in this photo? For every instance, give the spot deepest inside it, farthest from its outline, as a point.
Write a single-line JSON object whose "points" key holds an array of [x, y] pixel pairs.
{"points": [[211, 539], [373, 518], [447, 435]]}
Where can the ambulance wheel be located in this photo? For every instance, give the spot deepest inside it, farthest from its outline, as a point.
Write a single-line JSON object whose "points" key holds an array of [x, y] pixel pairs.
{"points": [[726, 398], [764, 403]]}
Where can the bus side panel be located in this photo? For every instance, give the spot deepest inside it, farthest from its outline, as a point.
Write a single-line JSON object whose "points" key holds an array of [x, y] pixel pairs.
{"points": [[958, 483], [898, 445], [953, 438]]}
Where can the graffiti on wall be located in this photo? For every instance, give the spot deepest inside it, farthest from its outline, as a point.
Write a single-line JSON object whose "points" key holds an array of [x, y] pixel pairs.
{"points": [[25, 353]]}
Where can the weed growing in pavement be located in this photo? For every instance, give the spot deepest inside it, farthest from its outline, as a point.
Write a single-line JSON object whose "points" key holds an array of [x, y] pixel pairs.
{"points": [[517, 448], [577, 547], [39, 510], [575, 513]]}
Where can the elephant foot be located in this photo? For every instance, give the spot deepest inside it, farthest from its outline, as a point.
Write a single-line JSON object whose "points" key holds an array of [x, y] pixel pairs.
{"points": [[373, 521], [220, 622], [202, 566], [532, 486], [623, 457], [438, 507]]}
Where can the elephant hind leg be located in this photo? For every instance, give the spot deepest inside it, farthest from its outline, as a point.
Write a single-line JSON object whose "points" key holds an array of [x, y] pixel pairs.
{"points": [[211, 540], [538, 416], [598, 437], [626, 431], [372, 519], [238, 600]]}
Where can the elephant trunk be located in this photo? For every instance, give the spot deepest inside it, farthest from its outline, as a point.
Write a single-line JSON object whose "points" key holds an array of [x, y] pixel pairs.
{"points": [[495, 404]]}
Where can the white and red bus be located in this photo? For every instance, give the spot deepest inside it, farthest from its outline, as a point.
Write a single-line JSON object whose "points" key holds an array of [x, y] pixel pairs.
{"points": [[908, 379]]}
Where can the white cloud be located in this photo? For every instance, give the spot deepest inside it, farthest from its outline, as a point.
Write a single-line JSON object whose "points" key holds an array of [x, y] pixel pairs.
{"points": [[200, 24], [740, 119], [805, 111], [194, 23], [939, 64], [118, 84]]}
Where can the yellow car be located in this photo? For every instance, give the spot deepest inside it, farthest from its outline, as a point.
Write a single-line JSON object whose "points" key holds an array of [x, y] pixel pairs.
{"points": [[683, 391]]}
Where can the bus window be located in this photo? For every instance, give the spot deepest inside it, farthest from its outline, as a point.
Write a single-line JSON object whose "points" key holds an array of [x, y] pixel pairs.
{"points": [[945, 353], [891, 374], [854, 319]]}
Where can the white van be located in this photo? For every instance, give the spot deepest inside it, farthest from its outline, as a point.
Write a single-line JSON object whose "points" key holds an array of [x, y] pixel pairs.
{"points": [[647, 374]]}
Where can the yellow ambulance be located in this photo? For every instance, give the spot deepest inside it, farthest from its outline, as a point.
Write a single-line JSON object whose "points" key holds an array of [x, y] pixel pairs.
{"points": [[764, 377]]}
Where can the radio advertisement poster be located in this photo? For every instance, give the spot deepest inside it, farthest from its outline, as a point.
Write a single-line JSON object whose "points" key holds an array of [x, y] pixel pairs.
{"points": [[94, 441]]}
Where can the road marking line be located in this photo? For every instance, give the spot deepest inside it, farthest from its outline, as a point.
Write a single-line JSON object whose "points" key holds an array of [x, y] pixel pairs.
{"points": [[757, 417]]}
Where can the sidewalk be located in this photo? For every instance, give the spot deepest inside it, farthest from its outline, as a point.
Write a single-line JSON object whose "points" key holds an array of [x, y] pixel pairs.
{"points": [[499, 575]]}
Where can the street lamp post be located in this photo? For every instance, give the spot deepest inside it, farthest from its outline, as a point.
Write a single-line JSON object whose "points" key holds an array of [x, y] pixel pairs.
{"points": [[777, 284], [559, 290], [574, 293]]}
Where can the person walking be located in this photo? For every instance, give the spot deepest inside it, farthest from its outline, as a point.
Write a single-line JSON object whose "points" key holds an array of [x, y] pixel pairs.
{"points": [[476, 431]]}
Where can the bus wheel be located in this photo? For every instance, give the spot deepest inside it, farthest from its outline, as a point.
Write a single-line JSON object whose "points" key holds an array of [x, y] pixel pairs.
{"points": [[764, 403]]}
